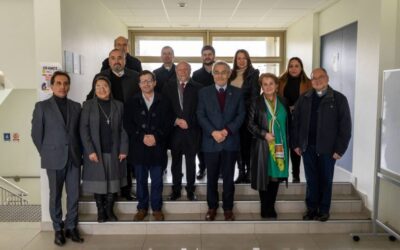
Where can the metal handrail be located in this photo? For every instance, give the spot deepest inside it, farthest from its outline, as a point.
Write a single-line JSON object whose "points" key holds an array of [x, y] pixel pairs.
{"points": [[22, 192], [8, 197], [17, 178]]}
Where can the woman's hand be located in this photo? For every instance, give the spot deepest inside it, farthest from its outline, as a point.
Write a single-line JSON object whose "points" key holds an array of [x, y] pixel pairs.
{"points": [[93, 157], [269, 137], [121, 157]]}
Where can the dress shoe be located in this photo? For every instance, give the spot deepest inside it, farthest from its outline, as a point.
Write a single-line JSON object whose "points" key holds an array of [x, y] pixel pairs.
{"points": [[322, 217], [158, 215], [201, 174], [174, 196], [271, 213], [73, 234], [296, 180], [191, 196], [59, 238], [211, 213], [140, 215], [310, 215], [241, 178], [229, 216]]}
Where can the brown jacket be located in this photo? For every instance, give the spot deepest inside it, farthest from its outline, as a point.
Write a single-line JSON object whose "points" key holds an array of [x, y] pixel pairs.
{"points": [[304, 86]]}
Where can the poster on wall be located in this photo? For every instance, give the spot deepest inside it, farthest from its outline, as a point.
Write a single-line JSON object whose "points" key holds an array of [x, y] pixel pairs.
{"points": [[47, 70]]}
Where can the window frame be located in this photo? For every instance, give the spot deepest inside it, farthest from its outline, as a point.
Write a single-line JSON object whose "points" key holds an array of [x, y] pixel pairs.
{"points": [[207, 36]]}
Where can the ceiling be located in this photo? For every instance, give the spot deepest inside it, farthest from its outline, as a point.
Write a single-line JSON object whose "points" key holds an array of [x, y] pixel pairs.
{"points": [[213, 14]]}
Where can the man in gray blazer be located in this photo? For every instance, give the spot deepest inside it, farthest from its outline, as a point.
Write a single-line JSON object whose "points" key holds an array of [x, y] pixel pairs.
{"points": [[220, 113], [55, 133]]}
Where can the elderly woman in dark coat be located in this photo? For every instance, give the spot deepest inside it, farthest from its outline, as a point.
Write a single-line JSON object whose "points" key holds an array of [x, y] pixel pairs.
{"points": [[105, 145], [268, 123]]}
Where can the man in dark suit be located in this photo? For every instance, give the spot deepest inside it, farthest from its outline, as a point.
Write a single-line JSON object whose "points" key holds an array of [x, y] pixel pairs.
{"points": [[55, 133], [166, 72], [124, 84], [131, 62], [185, 138], [205, 77], [220, 113], [321, 131]]}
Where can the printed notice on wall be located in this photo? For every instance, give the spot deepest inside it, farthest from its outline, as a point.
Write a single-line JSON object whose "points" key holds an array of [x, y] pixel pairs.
{"points": [[47, 70]]}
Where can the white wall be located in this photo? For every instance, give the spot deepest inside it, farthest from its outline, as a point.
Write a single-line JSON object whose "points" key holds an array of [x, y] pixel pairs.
{"points": [[17, 48], [88, 29], [300, 41], [377, 38]]}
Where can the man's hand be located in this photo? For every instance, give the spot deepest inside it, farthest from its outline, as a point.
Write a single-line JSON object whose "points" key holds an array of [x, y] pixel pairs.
{"points": [[298, 151], [149, 140], [181, 123], [218, 136], [336, 156]]}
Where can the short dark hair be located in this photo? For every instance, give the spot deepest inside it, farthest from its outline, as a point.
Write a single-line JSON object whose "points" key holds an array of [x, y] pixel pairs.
{"points": [[59, 73], [148, 72], [208, 47], [100, 77]]}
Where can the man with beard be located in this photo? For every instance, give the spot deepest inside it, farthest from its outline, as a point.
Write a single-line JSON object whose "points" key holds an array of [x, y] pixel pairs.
{"points": [[124, 84], [205, 77]]}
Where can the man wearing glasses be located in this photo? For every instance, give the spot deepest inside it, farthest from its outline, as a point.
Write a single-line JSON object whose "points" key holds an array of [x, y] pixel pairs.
{"points": [[220, 113], [148, 123], [321, 134]]}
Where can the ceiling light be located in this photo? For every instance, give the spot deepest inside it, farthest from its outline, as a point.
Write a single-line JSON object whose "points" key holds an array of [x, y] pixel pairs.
{"points": [[182, 4]]}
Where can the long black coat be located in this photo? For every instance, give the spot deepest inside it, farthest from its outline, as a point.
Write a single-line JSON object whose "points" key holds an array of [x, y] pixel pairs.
{"points": [[259, 153], [90, 134], [138, 121], [186, 140]]}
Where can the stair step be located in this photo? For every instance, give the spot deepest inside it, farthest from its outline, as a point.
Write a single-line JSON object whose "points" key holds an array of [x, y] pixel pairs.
{"points": [[250, 197], [179, 207], [245, 189], [197, 217], [244, 224]]}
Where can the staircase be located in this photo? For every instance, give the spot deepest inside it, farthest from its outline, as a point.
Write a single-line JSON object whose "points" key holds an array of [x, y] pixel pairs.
{"points": [[187, 217], [14, 207]]}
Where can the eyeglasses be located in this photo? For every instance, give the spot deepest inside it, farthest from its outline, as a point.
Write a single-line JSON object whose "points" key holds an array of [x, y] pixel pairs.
{"points": [[317, 78], [146, 82]]}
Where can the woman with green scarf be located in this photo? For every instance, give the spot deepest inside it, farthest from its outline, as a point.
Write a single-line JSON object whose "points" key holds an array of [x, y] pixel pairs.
{"points": [[268, 123]]}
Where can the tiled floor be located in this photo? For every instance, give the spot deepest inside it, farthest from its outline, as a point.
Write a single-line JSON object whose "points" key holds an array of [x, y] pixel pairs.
{"points": [[28, 236]]}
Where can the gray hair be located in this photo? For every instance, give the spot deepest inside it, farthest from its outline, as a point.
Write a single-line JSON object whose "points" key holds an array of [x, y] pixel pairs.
{"points": [[220, 62]]}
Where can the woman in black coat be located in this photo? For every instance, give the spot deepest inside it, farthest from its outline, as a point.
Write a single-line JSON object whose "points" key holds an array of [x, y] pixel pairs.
{"points": [[245, 77], [268, 123], [105, 145]]}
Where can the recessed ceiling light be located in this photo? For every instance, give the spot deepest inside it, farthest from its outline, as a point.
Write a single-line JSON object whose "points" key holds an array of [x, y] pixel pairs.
{"points": [[182, 4]]}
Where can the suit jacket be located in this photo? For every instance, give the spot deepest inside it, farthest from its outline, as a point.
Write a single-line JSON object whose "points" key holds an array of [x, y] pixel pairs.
{"points": [[130, 83], [163, 76], [90, 134], [138, 121], [131, 63], [57, 141], [187, 140], [211, 118]]}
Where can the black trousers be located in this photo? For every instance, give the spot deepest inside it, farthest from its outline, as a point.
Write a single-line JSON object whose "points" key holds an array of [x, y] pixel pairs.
{"points": [[295, 158], [176, 169], [224, 160], [71, 176], [245, 145], [268, 197]]}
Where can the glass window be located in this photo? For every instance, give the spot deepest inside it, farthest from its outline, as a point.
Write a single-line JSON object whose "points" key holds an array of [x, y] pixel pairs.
{"points": [[256, 46], [182, 45]]}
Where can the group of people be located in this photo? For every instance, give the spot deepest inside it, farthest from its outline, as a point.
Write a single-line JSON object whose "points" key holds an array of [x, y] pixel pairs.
{"points": [[220, 115]]}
